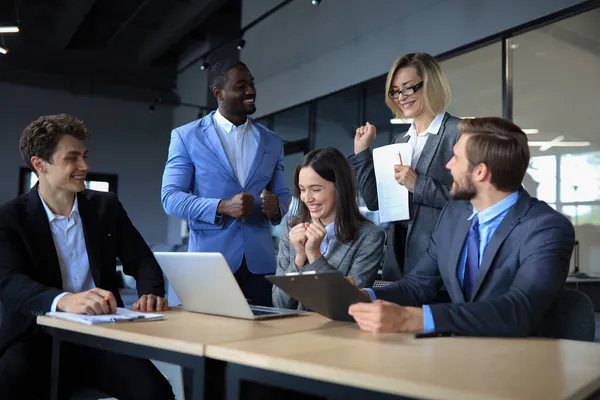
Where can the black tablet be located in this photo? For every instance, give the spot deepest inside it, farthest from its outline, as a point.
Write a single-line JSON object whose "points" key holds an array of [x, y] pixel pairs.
{"points": [[327, 293]]}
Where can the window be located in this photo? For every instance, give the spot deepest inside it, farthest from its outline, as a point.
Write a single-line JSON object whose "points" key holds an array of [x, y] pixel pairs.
{"points": [[556, 86], [475, 82], [337, 120], [292, 125], [99, 182], [377, 113]]}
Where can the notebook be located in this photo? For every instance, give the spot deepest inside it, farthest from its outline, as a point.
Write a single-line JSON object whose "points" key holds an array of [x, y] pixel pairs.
{"points": [[122, 315]]}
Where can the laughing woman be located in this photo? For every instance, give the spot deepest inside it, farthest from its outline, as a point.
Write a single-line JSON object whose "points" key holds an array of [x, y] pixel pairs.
{"points": [[330, 234]]}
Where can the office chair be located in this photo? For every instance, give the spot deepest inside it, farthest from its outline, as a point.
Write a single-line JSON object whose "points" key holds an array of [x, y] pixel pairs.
{"points": [[572, 317]]}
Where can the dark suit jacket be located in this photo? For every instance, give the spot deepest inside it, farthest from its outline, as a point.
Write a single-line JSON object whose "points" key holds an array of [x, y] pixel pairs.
{"points": [[432, 190], [30, 276], [521, 275]]}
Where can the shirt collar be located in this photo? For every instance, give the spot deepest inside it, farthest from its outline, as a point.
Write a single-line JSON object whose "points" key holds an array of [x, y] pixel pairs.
{"points": [[330, 230], [433, 128], [493, 211], [52, 216], [227, 125]]}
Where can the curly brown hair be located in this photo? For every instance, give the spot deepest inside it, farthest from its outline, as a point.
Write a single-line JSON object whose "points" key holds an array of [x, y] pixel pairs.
{"points": [[40, 138]]}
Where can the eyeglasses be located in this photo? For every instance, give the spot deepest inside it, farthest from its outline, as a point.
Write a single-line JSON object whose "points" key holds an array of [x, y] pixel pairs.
{"points": [[394, 94]]}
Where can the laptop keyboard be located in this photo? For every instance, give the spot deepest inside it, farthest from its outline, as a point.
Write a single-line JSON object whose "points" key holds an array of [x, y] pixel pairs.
{"points": [[260, 312]]}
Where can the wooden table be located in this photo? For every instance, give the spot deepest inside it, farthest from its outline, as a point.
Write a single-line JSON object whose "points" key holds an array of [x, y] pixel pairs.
{"points": [[180, 338], [345, 363]]}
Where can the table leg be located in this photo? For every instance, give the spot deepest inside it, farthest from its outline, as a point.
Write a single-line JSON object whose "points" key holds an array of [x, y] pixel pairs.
{"points": [[55, 369]]}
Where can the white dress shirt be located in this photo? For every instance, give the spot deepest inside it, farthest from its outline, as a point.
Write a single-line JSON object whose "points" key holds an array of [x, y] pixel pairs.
{"points": [[240, 144], [418, 141], [69, 241]]}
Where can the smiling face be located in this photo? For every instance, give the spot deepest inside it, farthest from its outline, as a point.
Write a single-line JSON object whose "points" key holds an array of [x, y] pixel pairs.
{"points": [[238, 95], [67, 168], [412, 105], [318, 194]]}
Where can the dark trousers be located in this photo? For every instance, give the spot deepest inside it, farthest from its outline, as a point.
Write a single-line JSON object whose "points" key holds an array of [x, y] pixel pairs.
{"points": [[25, 372], [256, 288]]}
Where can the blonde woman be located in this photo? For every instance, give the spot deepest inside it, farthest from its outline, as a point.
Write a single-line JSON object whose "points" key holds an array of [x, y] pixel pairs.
{"points": [[416, 88]]}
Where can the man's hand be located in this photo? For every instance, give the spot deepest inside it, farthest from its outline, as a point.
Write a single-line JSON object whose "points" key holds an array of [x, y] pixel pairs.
{"points": [[150, 303], [405, 176], [270, 206], [240, 205], [365, 135], [385, 317], [315, 233], [93, 302]]}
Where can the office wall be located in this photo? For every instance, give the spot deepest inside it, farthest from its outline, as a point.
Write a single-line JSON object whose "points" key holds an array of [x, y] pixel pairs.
{"points": [[127, 139], [302, 52]]}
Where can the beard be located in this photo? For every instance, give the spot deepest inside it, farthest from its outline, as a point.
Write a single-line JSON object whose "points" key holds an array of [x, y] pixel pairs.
{"points": [[467, 191]]}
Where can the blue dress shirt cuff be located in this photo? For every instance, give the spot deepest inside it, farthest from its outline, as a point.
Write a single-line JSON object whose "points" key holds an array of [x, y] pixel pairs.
{"points": [[428, 323], [55, 301], [371, 294]]}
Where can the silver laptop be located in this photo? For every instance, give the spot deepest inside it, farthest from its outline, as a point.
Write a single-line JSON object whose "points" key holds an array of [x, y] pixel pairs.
{"points": [[204, 283]]}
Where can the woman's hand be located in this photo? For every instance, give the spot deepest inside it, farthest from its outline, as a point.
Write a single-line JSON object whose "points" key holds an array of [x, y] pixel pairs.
{"points": [[365, 135], [315, 233], [405, 176]]}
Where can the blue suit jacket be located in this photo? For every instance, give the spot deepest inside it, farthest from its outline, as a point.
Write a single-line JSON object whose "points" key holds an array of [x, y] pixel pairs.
{"points": [[198, 175], [520, 278]]}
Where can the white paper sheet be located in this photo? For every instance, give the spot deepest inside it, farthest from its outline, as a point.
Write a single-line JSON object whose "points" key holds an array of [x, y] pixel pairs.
{"points": [[392, 197], [121, 315]]}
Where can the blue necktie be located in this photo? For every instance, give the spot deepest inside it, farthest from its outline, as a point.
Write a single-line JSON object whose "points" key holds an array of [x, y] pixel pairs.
{"points": [[472, 265]]}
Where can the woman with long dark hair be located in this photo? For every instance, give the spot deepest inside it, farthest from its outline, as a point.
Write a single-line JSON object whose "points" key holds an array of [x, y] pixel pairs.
{"points": [[330, 233]]}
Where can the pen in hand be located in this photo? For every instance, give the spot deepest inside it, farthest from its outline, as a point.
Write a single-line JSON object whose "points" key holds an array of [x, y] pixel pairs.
{"points": [[400, 157]]}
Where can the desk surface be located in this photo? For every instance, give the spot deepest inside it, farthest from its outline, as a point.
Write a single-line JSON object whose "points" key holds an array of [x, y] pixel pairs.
{"points": [[440, 368], [187, 332]]}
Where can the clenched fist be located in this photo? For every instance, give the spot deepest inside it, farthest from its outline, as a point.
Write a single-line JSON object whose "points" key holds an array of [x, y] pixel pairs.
{"points": [[365, 135]]}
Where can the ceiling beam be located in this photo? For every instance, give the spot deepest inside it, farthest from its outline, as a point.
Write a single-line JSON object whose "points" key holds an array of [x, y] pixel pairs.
{"points": [[69, 21], [184, 18]]}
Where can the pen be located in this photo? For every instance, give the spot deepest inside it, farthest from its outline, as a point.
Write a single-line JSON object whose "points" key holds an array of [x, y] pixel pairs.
{"points": [[400, 157], [107, 300]]}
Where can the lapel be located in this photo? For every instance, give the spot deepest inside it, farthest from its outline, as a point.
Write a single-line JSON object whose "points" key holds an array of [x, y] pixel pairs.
{"points": [[431, 145], [260, 153], [42, 243], [340, 250], [217, 146], [458, 243], [506, 226], [92, 235]]}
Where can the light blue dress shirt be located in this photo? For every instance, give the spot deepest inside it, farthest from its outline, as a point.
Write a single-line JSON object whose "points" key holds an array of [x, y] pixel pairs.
{"points": [[240, 144], [328, 239], [489, 220], [69, 241]]}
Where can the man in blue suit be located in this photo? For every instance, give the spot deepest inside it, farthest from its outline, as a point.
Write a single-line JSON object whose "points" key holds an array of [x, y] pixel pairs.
{"points": [[224, 174], [502, 255]]}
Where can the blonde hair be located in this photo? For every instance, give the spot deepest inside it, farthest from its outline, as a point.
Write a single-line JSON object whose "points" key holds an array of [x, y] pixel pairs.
{"points": [[436, 90]]}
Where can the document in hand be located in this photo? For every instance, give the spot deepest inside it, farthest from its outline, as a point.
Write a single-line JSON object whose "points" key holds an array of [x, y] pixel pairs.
{"points": [[392, 197], [122, 314]]}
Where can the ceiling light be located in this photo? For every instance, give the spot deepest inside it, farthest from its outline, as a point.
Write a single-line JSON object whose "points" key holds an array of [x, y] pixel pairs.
{"points": [[316, 2], [3, 50], [557, 142], [9, 29], [241, 44], [401, 121], [204, 65], [410, 120], [531, 131]]}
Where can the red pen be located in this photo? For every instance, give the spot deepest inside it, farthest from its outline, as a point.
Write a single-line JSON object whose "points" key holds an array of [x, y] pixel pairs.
{"points": [[400, 157]]}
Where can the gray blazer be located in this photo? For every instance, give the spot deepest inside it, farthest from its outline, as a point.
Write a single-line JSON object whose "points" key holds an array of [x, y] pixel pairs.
{"points": [[359, 259], [521, 275], [432, 189]]}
